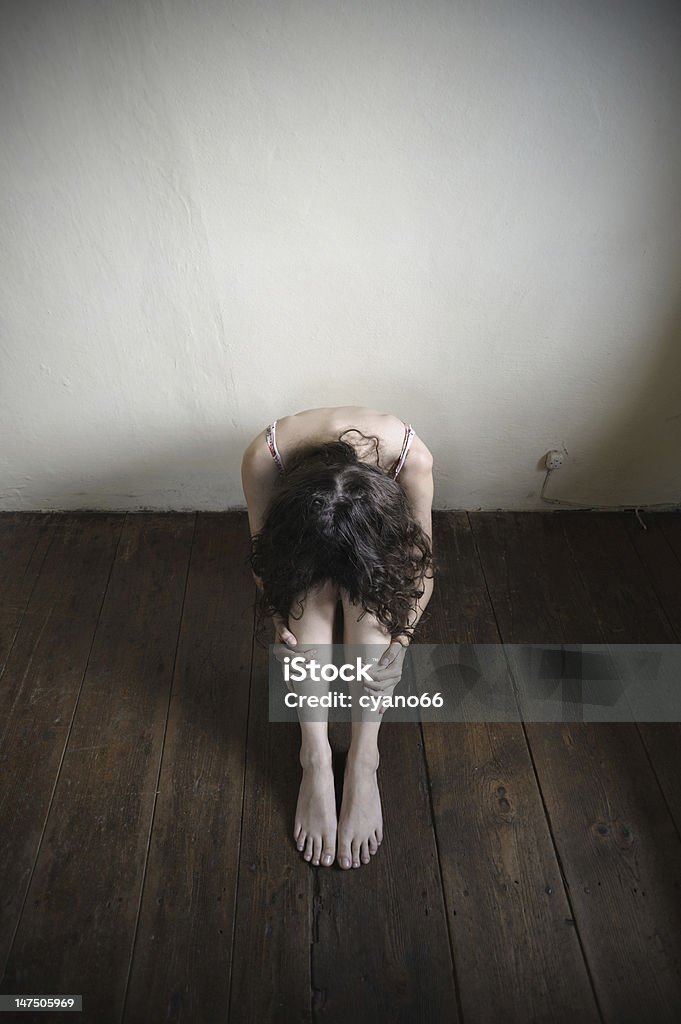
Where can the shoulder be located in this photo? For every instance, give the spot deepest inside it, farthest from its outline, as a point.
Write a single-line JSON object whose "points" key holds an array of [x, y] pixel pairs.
{"points": [[257, 465], [416, 477], [254, 449], [419, 460], [416, 480]]}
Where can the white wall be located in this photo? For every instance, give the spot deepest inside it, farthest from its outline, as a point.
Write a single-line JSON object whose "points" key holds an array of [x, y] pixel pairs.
{"points": [[217, 213]]}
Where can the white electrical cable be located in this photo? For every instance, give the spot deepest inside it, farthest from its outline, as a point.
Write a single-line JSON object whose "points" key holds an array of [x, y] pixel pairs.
{"points": [[670, 506]]}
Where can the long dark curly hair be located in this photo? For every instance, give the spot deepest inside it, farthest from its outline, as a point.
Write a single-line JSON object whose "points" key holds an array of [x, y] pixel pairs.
{"points": [[333, 517]]}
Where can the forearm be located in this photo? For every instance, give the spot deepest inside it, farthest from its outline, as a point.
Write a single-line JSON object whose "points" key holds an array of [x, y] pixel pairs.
{"points": [[420, 606]]}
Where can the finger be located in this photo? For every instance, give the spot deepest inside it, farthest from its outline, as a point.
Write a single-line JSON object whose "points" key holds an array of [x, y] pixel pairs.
{"points": [[286, 649], [281, 651], [282, 631], [379, 691], [391, 652], [376, 691], [382, 682], [394, 655], [389, 672]]}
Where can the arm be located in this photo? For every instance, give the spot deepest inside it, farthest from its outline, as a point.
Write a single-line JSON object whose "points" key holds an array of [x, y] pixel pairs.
{"points": [[259, 473], [258, 476], [416, 478]]}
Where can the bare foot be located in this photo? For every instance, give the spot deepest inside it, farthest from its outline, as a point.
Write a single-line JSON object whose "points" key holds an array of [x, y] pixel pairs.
{"points": [[360, 826], [315, 823]]}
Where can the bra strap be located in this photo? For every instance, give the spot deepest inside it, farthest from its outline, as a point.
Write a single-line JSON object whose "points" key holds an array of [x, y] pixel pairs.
{"points": [[406, 445], [271, 438]]}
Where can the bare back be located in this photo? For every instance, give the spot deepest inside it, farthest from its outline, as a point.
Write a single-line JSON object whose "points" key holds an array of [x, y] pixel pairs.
{"points": [[260, 468], [319, 426]]}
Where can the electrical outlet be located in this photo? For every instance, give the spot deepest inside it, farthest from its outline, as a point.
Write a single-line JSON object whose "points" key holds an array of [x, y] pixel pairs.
{"points": [[554, 459]]}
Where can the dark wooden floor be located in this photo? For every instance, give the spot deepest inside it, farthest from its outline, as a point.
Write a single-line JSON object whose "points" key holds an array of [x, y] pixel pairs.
{"points": [[529, 872]]}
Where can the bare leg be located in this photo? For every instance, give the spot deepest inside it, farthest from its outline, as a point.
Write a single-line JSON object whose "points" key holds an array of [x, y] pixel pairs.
{"points": [[315, 824], [360, 826]]}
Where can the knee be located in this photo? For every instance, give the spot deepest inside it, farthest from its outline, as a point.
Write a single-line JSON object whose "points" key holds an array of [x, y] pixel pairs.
{"points": [[326, 594], [360, 625], [321, 598]]}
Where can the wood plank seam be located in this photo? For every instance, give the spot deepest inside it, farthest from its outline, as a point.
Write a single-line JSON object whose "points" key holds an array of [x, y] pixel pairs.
{"points": [[443, 888], [243, 802]]}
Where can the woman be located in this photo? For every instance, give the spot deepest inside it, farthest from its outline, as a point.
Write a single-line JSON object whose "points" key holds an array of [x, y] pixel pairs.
{"points": [[339, 509]]}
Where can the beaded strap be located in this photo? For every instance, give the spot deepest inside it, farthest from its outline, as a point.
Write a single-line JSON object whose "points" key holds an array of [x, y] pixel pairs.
{"points": [[271, 438], [406, 445]]}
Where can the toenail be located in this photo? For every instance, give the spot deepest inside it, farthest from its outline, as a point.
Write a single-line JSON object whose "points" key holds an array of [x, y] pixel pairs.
{"points": [[327, 858], [345, 863]]}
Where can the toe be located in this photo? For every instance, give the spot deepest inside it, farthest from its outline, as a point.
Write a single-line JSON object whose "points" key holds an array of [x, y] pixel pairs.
{"points": [[372, 844], [344, 855], [328, 851], [297, 829], [316, 850], [300, 842], [364, 852], [308, 848], [355, 853]]}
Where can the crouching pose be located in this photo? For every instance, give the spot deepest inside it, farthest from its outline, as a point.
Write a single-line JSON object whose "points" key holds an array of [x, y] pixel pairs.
{"points": [[339, 509]]}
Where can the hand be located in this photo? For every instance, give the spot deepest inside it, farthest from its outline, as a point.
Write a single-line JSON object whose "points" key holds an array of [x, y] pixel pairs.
{"points": [[282, 634], [387, 671], [285, 645]]}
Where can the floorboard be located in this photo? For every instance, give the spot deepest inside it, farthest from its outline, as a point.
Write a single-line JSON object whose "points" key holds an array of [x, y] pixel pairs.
{"points": [[183, 942], [78, 922], [516, 950]]}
